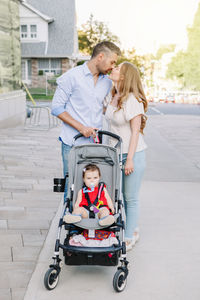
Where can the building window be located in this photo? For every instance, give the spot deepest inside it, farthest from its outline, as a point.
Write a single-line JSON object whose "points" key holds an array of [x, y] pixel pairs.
{"points": [[50, 65], [33, 31], [24, 31], [28, 31]]}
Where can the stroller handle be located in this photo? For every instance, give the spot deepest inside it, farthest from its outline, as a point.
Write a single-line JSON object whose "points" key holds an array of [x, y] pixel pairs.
{"points": [[100, 133]]}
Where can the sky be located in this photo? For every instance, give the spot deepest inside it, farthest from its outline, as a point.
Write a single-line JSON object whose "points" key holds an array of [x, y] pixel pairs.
{"points": [[142, 24]]}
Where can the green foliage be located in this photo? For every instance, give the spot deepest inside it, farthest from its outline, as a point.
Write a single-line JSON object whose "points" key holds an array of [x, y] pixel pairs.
{"points": [[165, 49], [40, 72], [143, 62], [185, 66], [40, 97], [92, 33], [176, 68]]}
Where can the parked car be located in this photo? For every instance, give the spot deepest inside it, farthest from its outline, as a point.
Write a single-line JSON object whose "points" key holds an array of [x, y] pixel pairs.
{"points": [[162, 97], [170, 98]]}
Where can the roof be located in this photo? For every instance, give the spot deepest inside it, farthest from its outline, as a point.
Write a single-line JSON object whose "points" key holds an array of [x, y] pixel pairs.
{"points": [[63, 40], [43, 16]]}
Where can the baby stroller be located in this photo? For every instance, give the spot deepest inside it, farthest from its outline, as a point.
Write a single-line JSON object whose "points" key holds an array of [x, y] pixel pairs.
{"points": [[109, 160]]}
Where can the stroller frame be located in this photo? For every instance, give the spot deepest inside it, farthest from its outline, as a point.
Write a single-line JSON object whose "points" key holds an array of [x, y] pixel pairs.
{"points": [[90, 255]]}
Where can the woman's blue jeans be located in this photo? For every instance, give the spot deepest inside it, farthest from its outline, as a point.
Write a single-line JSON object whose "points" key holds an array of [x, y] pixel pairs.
{"points": [[130, 188], [65, 152]]}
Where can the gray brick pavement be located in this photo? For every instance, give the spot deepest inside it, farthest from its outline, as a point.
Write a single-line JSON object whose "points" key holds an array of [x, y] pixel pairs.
{"points": [[28, 162]]}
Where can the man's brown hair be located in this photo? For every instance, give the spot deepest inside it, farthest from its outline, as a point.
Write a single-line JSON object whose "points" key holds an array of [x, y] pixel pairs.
{"points": [[105, 47]]}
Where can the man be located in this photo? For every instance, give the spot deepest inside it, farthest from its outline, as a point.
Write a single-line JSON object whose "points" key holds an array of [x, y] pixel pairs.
{"points": [[78, 100]]}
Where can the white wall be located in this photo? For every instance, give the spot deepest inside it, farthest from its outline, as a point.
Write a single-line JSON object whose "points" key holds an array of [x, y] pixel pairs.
{"points": [[12, 109], [28, 17]]}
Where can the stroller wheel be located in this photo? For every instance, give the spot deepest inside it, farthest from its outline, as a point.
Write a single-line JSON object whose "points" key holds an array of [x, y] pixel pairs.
{"points": [[119, 281], [51, 279]]}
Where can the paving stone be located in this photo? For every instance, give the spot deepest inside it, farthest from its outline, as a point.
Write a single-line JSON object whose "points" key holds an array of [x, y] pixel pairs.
{"points": [[7, 212], [2, 202], [15, 274], [2, 166], [34, 202], [25, 224], [26, 181], [20, 231], [24, 172], [39, 194], [42, 187], [21, 190], [8, 162], [41, 213], [5, 294], [16, 186], [5, 195], [18, 294], [3, 224], [44, 232], [5, 253], [11, 240], [33, 240], [25, 253]]}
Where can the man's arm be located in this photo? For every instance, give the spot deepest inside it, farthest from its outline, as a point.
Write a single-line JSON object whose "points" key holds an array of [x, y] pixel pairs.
{"points": [[86, 131], [61, 97]]}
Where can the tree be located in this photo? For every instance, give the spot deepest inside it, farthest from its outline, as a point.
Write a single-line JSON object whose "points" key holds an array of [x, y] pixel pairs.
{"points": [[176, 68], [92, 33], [140, 61], [165, 49], [192, 63], [185, 66]]}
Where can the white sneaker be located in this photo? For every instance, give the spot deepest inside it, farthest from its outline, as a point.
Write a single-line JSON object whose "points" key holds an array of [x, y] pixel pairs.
{"points": [[129, 244], [136, 237]]}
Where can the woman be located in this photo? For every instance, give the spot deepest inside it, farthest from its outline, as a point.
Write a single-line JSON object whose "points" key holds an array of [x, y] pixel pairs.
{"points": [[125, 115]]}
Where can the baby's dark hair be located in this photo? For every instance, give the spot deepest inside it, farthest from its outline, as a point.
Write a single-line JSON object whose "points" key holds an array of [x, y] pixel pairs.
{"points": [[92, 168]]}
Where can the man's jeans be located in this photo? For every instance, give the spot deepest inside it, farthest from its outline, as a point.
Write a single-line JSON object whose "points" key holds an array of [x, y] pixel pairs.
{"points": [[65, 152], [130, 189]]}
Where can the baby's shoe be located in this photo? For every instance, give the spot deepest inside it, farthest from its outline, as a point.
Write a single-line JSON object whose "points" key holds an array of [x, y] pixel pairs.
{"points": [[72, 218], [107, 220]]}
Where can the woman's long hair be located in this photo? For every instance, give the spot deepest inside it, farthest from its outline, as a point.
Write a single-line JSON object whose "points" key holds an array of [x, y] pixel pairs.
{"points": [[131, 83]]}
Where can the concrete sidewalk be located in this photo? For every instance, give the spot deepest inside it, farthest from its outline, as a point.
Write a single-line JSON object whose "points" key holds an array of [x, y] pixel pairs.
{"points": [[165, 264]]}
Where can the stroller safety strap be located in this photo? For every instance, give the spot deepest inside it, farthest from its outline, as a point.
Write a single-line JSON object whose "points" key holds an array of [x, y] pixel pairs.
{"points": [[93, 208]]}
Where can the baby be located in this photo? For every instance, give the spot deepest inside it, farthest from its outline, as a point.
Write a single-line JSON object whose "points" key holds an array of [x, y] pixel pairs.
{"points": [[92, 198]]}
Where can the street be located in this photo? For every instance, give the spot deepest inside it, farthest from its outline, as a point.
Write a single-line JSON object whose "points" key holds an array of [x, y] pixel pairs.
{"points": [[173, 108]]}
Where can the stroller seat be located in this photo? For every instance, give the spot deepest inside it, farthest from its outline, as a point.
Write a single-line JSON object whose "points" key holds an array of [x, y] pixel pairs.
{"points": [[92, 224]]}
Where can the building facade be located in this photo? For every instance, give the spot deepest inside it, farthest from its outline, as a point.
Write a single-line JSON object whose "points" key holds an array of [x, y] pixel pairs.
{"points": [[12, 98], [49, 40]]}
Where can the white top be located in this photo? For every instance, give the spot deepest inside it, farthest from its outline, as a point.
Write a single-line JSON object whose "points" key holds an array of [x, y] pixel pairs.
{"points": [[119, 122]]}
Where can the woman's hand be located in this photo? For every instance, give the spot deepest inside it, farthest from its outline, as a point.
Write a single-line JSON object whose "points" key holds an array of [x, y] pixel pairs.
{"points": [[128, 168]]}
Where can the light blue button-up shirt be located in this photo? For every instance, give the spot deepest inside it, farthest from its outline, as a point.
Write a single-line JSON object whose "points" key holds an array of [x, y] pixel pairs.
{"points": [[77, 95]]}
